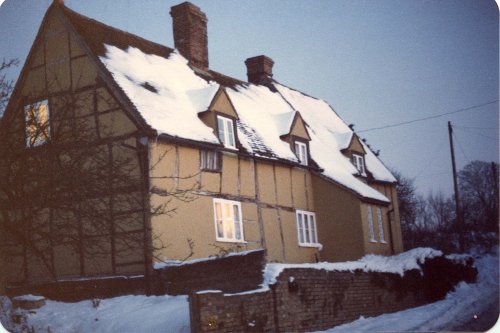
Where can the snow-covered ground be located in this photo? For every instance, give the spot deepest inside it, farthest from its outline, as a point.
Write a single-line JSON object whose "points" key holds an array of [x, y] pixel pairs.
{"points": [[171, 314], [123, 314]]}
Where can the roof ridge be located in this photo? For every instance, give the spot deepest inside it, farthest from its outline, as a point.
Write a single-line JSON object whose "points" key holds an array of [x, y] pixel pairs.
{"points": [[107, 26], [77, 19], [137, 41]]}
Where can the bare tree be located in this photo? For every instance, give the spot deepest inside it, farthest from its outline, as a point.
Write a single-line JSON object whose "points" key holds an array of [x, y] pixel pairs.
{"points": [[425, 221], [6, 86], [414, 213], [64, 187], [407, 198], [478, 183]]}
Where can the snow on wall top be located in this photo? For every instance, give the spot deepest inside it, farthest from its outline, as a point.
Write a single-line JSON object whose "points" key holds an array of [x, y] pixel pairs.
{"points": [[169, 95], [397, 264], [28, 298]]}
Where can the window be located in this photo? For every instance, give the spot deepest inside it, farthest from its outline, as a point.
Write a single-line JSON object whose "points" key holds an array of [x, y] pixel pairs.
{"points": [[37, 123], [380, 225], [359, 163], [226, 132], [370, 225], [209, 160], [228, 223], [301, 152], [306, 228]]}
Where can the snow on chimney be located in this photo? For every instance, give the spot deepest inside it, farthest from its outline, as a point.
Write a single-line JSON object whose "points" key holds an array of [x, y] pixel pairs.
{"points": [[190, 33], [259, 69]]}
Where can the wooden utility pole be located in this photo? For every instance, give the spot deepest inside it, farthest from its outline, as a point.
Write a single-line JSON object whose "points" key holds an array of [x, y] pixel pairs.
{"points": [[457, 196]]}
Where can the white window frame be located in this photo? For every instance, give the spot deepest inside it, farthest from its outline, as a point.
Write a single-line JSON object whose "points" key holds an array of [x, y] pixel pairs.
{"points": [[301, 152], [227, 228], [307, 228], [37, 133], [209, 160], [380, 221], [359, 163], [371, 230], [226, 133]]}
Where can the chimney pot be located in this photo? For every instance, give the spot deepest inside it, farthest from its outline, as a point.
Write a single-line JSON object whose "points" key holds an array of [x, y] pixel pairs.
{"points": [[190, 33], [259, 69]]}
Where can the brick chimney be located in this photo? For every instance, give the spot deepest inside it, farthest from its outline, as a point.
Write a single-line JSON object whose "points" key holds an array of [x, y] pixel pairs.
{"points": [[259, 69], [190, 33]]}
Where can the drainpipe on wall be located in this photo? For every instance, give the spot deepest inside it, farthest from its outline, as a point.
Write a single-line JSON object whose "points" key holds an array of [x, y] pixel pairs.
{"points": [[389, 219]]}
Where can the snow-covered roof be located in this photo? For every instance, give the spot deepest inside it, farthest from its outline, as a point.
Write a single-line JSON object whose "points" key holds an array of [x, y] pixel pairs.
{"points": [[166, 92], [169, 95], [284, 122]]}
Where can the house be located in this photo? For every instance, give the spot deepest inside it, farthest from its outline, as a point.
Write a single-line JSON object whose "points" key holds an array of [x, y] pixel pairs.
{"points": [[134, 153]]}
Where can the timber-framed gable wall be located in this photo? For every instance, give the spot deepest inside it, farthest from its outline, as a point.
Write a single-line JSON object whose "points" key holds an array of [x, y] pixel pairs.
{"points": [[90, 124]]}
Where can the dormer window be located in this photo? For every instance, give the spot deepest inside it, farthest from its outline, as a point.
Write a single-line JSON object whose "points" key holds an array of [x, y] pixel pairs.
{"points": [[359, 163], [37, 123], [225, 127], [301, 152]]}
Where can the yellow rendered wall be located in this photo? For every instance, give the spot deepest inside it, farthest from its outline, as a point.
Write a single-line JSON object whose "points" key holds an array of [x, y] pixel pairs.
{"points": [[389, 190], [268, 205], [339, 222], [375, 247], [299, 129]]}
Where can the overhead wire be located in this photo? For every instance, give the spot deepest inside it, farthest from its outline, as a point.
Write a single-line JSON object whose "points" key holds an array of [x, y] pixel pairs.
{"points": [[429, 117]]}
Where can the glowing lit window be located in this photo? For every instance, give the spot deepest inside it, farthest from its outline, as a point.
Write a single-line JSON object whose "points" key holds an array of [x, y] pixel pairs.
{"points": [[37, 123], [228, 221], [226, 132], [306, 228]]}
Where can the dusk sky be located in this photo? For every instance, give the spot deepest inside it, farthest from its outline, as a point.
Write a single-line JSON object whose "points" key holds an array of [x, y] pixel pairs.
{"points": [[377, 63]]}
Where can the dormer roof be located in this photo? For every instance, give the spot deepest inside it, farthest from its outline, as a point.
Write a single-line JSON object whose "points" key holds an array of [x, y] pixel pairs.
{"points": [[354, 145]]}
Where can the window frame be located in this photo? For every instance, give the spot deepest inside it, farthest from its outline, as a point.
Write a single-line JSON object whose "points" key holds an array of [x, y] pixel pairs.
{"points": [[42, 137], [380, 223], [224, 220], [371, 228], [225, 131], [358, 160], [204, 162], [307, 236], [298, 152]]}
